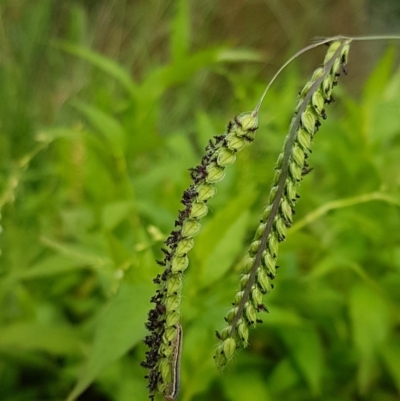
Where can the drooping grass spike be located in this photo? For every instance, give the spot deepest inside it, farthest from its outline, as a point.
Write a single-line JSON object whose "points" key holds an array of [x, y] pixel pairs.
{"points": [[260, 267], [164, 319]]}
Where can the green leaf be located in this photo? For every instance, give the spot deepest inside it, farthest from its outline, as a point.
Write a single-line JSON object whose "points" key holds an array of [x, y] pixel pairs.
{"points": [[79, 253], [110, 67], [248, 385], [240, 55], [180, 31], [115, 213], [33, 336], [111, 129], [283, 377], [119, 328], [306, 350], [51, 266], [380, 77], [121, 257], [391, 356], [370, 323]]}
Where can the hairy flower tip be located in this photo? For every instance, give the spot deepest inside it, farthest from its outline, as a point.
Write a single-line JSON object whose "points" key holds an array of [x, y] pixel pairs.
{"points": [[259, 267], [163, 319]]}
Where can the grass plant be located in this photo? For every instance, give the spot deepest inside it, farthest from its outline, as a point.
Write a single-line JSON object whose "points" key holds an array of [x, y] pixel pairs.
{"points": [[98, 129]]}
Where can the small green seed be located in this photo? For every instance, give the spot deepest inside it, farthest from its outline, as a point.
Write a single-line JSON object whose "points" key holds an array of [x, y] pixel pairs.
{"points": [[169, 334], [190, 228], [319, 72], [254, 247], [280, 227], [277, 176], [179, 264], [286, 210], [269, 262], [327, 86], [345, 53], [231, 314], [295, 171], [226, 157], [235, 143], [318, 101], [263, 281], [260, 231], [308, 121], [273, 245], [198, 210], [243, 281], [272, 194], [205, 192], [266, 213], [248, 121], [215, 173], [256, 296], [220, 358], [336, 67], [304, 139], [165, 370], [184, 246], [172, 302], [250, 313], [174, 284], [298, 155], [225, 333], [172, 319], [243, 332], [238, 297], [229, 348], [279, 161], [305, 90], [331, 51], [248, 265]]}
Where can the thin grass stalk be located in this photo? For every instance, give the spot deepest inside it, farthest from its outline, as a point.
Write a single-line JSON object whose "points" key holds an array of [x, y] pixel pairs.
{"points": [[260, 267], [164, 319]]}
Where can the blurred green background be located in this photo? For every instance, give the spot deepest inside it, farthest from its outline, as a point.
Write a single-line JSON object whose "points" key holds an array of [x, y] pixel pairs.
{"points": [[104, 105]]}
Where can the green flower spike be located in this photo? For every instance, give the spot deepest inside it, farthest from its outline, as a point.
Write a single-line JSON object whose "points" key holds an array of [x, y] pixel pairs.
{"points": [[164, 319], [260, 267]]}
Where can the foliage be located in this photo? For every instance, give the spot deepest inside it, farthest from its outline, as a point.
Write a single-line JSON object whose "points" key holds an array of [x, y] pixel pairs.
{"points": [[88, 196]]}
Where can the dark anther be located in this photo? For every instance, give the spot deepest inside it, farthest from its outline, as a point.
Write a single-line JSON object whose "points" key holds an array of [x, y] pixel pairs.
{"points": [[306, 170], [219, 138], [248, 138], [166, 252], [238, 123]]}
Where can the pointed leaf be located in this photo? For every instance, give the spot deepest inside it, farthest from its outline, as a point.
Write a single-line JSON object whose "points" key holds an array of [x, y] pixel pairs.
{"points": [[306, 350], [370, 322], [110, 67], [111, 129], [120, 327]]}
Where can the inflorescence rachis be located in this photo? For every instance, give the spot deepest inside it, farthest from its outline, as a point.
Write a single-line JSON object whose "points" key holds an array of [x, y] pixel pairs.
{"points": [[163, 319], [260, 267]]}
